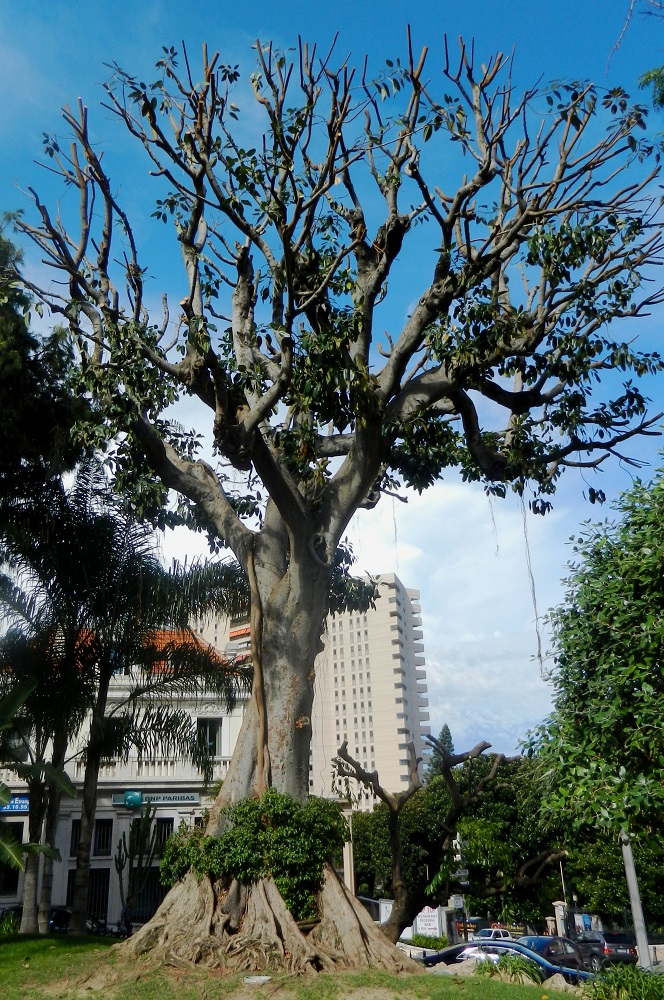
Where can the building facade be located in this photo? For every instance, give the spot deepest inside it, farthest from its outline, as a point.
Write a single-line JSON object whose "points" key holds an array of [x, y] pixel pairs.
{"points": [[370, 690], [171, 783]]}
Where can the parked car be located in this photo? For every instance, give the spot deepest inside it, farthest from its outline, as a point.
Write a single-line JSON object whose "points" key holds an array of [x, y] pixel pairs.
{"points": [[606, 947], [559, 950], [453, 953], [59, 919], [492, 950], [492, 934]]}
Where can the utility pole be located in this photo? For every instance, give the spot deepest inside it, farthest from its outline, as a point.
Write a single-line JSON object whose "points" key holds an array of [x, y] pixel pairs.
{"points": [[635, 902]]}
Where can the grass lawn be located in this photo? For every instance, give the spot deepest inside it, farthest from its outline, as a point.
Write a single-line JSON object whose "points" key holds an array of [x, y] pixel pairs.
{"points": [[70, 967]]}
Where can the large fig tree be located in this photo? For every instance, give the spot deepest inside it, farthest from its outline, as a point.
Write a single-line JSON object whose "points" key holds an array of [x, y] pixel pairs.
{"points": [[532, 221]]}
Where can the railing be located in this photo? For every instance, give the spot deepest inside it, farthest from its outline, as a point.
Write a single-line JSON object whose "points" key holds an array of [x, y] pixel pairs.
{"points": [[162, 768]]}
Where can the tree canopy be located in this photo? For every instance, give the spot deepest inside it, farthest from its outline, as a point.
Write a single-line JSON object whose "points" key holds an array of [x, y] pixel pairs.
{"points": [[37, 392], [603, 747], [295, 206]]}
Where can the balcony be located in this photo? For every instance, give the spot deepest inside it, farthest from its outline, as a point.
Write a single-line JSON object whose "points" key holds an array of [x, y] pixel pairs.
{"points": [[156, 770]]}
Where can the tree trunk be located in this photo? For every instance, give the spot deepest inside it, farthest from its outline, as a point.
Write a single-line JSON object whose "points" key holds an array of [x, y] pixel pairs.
{"points": [[249, 928], [29, 923], [292, 613], [402, 914], [50, 835], [79, 908]]}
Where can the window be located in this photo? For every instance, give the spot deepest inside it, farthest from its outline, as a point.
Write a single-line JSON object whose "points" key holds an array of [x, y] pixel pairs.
{"points": [[209, 734], [97, 891], [103, 837], [149, 897], [75, 837], [164, 829]]}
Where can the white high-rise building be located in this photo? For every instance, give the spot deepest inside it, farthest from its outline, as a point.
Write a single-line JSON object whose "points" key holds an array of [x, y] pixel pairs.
{"points": [[371, 691]]}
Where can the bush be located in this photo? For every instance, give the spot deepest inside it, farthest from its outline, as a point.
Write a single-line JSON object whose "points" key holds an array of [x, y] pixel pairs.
{"points": [[9, 924], [422, 941], [274, 835], [625, 982], [510, 966]]}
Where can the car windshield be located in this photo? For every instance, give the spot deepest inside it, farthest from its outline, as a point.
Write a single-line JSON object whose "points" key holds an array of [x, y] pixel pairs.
{"points": [[611, 938]]}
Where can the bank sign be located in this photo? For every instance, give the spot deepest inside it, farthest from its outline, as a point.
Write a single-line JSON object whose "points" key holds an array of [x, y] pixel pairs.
{"points": [[134, 798], [18, 804]]}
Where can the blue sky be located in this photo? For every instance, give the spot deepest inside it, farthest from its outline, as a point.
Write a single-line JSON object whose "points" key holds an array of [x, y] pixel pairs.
{"points": [[467, 556]]}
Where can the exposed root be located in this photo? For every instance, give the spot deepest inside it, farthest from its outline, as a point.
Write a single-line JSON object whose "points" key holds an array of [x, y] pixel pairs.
{"points": [[348, 933], [249, 929]]}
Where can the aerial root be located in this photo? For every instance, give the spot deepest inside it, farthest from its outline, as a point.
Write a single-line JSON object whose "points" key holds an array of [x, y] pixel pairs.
{"points": [[249, 929]]}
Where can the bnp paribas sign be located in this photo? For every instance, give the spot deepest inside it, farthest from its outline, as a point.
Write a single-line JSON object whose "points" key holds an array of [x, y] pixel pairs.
{"points": [[133, 798]]}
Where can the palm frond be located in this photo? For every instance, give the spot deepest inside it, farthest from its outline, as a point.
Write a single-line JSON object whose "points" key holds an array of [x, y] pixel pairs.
{"points": [[11, 851]]}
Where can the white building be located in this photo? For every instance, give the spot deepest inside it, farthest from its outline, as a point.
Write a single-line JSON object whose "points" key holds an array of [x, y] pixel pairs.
{"points": [[370, 690], [171, 783]]}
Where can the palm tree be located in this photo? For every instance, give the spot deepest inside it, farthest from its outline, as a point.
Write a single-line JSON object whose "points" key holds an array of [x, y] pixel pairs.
{"points": [[86, 571], [36, 774]]}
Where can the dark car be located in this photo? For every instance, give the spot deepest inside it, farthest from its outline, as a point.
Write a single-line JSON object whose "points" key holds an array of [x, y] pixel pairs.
{"points": [[606, 947], [453, 953], [59, 919], [559, 950], [492, 950]]}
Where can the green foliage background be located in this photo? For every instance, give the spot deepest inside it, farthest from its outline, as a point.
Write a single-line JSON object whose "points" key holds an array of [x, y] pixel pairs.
{"points": [[602, 750]]}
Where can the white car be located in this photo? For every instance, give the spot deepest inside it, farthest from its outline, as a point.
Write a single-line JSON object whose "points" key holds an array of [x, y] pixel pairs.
{"points": [[491, 934]]}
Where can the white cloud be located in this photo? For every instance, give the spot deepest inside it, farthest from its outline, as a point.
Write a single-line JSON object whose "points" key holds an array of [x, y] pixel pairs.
{"points": [[467, 556]]}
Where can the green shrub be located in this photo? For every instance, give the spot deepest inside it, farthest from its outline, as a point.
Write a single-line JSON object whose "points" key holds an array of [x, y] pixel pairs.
{"points": [[422, 941], [9, 924], [511, 966], [274, 835], [624, 982]]}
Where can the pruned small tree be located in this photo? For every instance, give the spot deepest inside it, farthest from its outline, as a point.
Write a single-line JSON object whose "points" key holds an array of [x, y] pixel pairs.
{"points": [[535, 224], [347, 767], [464, 792]]}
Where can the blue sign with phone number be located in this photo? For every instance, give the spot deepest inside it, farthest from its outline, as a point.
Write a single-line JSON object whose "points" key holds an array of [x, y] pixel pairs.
{"points": [[18, 804]]}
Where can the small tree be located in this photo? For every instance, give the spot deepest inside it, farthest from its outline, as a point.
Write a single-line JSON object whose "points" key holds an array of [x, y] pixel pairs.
{"points": [[603, 747], [37, 774], [435, 761], [535, 238], [463, 790]]}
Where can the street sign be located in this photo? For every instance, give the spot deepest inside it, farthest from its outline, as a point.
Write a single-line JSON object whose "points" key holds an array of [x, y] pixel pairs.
{"points": [[457, 902], [460, 873]]}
